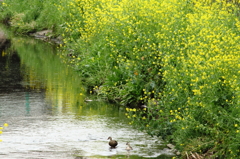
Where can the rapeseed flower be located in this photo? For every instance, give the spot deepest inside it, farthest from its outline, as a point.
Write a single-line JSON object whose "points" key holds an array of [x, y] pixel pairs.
{"points": [[185, 55]]}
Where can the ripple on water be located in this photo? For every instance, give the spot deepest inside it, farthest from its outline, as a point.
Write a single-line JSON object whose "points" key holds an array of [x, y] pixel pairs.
{"points": [[45, 123], [49, 136]]}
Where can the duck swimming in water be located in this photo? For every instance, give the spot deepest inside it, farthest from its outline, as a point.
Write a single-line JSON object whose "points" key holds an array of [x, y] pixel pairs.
{"points": [[112, 143], [128, 148]]}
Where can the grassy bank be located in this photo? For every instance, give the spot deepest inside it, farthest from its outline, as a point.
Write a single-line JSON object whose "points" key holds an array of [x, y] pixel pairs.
{"points": [[31, 16], [179, 58]]}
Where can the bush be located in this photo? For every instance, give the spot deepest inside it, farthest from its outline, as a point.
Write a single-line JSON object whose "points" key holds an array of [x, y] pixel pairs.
{"points": [[178, 57], [31, 15]]}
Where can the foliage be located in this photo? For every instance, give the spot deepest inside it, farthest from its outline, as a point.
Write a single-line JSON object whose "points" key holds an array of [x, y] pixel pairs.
{"points": [[180, 58], [31, 15]]}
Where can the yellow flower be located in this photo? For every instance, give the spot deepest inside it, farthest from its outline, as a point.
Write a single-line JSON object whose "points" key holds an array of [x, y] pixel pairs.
{"points": [[133, 110], [5, 124]]}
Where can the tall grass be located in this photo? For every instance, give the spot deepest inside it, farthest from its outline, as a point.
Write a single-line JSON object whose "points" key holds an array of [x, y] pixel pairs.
{"points": [[180, 58], [31, 15]]}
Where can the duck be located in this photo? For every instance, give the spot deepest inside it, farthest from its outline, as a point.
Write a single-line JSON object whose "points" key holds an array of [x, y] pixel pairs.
{"points": [[128, 148], [112, 143]]}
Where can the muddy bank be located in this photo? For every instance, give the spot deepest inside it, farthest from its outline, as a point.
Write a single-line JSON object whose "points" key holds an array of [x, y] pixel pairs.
{"points": [[47, 35]]}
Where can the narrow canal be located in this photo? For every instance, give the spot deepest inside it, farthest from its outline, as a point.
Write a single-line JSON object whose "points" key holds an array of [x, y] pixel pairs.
{"points": [[43, 102]]}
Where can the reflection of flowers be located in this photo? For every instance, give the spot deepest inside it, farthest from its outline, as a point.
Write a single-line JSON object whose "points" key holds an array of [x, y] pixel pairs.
{"points": [[1, 128]]}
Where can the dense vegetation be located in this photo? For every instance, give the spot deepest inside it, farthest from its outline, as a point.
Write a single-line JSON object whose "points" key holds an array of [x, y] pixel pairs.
{"points": [[179, 58]]}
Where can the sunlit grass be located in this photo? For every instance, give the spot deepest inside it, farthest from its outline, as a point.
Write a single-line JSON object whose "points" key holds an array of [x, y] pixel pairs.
{"points": [[178, 57]]}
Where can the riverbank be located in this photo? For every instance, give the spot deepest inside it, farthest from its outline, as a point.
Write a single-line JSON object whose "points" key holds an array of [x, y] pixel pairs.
{"points": [[174, 63], [43, 102]]}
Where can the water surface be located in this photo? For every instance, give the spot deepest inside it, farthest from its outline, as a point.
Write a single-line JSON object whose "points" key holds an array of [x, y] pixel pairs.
{"points": [[43, 102]]}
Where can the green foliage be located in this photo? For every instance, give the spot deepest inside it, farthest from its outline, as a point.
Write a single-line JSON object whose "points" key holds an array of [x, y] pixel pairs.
{"points": [[31, 15], [201, 74]]}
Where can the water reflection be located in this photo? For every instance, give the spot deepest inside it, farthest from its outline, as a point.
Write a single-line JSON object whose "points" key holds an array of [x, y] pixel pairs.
{"points": [[48, 117]]}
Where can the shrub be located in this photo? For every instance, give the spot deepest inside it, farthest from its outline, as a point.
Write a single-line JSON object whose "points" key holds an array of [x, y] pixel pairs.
{"points": [[31, 15], [178, 57]]}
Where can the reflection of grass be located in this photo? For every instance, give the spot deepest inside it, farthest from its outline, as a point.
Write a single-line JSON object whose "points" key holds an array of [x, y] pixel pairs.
{"points": [[63, 87]]}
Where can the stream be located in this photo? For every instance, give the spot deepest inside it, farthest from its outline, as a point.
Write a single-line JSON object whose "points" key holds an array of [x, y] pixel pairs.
{"points": [[44, 104]]}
